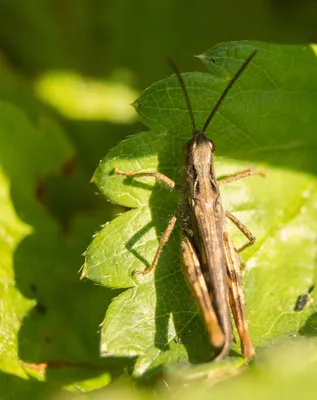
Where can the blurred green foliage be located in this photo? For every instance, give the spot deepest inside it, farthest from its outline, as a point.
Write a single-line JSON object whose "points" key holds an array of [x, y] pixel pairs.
{"points": [[48, 210]]}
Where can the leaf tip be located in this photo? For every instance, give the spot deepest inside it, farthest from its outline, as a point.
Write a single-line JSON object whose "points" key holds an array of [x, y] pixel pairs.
{"points": [[201, 57], [137, 104], [104, 350], [83, 270]]}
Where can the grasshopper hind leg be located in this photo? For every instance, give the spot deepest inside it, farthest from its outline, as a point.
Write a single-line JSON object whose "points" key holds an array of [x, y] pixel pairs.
{"points": [[220, 337], [236, 297]]}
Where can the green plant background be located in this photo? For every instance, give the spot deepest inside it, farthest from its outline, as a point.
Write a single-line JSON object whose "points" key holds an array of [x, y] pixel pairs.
{"points": [[49, 211]]}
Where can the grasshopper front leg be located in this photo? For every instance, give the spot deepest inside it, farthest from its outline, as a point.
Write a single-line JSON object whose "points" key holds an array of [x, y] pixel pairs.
{"points": [[157, 175]]}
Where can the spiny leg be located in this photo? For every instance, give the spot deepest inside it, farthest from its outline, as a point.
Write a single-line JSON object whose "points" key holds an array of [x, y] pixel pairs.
{"points": [[243, 229], [240, 226], [164, 239], [157, 175], [170, 226], [240, 175]]}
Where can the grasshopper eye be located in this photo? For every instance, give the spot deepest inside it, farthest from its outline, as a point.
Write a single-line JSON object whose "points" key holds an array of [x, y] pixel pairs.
{"points": [[190, 146], [212, 146]]}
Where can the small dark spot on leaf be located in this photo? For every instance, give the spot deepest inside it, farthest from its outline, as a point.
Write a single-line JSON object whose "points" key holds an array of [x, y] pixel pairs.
{"points": [[41, 308], [69, 166], [47, 339], [33, 287], [40, 189]]}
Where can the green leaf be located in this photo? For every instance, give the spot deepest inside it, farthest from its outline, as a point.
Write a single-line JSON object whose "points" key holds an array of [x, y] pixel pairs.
{"points": [[284, 371], [18, 192], [268, 122], [48, 326]]}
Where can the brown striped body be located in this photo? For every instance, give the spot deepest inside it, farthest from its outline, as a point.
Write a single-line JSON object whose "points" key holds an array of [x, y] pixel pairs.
{"points": [[206, 221], [210, 262]]}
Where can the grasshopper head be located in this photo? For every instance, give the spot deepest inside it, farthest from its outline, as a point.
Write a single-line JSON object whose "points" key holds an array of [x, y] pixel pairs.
{"points": [[200, 149]]}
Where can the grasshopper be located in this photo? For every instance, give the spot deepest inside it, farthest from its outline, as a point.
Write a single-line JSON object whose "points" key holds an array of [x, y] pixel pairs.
{"points": [[211, 263]]}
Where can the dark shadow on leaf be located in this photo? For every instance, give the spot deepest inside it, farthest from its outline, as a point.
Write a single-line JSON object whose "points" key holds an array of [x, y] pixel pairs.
{"points": [[134, 240], [63, 325], [135, 183], [14, 387], [310, 326]]}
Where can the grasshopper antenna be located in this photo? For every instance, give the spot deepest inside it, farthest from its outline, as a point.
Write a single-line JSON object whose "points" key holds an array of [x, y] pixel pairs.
{"points": [[182, 84], [225, 92]]}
